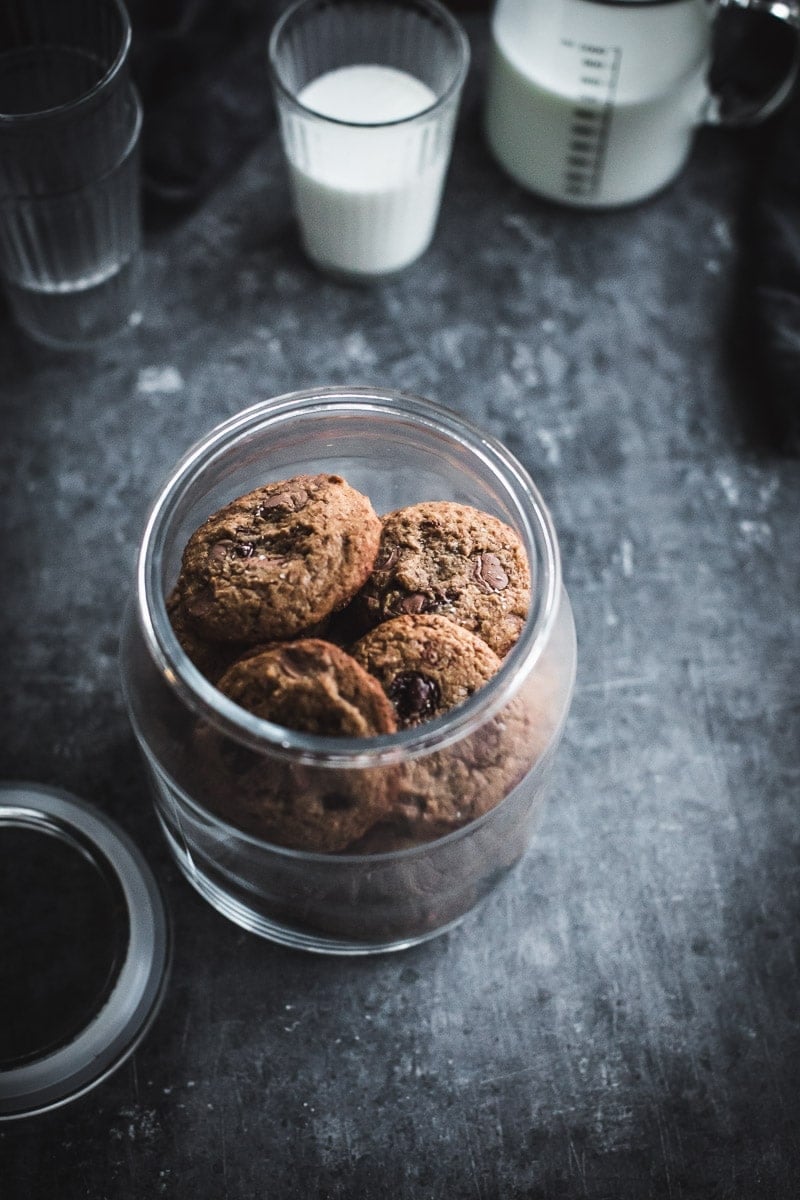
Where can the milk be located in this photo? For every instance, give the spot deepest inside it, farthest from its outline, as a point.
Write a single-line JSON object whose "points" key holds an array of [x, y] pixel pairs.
{"points": [[368, 180], [595, 105], [367, 94]]}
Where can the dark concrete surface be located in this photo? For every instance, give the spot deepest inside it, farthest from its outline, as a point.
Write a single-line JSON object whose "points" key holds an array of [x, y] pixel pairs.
{"points": [[621, 1019]]}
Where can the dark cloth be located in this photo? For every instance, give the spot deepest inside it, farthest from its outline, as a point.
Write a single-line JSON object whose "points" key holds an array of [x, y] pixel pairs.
{"points": [[201, 69], [775, 270], [753, 53]]}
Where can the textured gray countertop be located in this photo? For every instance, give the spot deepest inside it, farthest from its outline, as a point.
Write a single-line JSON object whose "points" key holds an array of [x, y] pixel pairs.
{"points": [[621, 1018]]}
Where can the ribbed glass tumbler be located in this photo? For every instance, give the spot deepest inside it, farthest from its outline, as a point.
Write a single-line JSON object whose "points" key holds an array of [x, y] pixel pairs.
{"points": [[367, 94], [70, 122]]}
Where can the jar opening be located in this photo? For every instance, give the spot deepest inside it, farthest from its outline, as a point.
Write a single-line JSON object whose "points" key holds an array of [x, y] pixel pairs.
{"points": [[321, 428]]}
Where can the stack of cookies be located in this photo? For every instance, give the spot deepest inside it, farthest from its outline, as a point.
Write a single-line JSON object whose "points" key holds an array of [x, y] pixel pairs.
{"points": [[304, 607]]}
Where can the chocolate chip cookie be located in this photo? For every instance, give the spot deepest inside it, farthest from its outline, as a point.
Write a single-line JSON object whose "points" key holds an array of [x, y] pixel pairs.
{"points": [[441, 791], [455, 561], [312, 686], [311, 808], [428, 665], [425, 664], [276, 561], [212, 659]]}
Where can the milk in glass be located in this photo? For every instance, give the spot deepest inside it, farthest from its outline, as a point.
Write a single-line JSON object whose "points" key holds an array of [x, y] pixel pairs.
{"points": [[368, 180]]}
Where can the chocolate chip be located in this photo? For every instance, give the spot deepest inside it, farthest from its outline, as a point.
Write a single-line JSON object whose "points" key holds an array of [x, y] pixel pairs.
{"points": [[415, 603], [203, 604], [227, 548], [336, 802], [387, 557], [288, 501], [296, 663], [415, 696], [488, 573], [418, 802]]}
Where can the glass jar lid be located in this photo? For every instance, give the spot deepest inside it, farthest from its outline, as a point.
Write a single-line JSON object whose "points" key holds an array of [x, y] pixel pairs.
{"points": [[85, 948]]}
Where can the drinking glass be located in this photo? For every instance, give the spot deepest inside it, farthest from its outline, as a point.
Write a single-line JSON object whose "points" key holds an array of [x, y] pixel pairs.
{"points": [[367, 94], [70, 122]]}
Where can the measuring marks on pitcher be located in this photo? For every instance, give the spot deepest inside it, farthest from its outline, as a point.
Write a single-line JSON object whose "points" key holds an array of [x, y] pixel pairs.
{"points": [[597, 70]]}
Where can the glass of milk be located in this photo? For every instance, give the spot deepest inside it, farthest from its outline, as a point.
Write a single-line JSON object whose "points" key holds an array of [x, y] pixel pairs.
{"points": [[367, 95]]}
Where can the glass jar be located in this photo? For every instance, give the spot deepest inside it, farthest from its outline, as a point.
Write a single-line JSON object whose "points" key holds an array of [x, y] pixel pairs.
{"points": [[387, 892]]}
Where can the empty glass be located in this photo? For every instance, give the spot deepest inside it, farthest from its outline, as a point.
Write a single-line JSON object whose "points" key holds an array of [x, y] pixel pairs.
{"points": [[70, 122]]}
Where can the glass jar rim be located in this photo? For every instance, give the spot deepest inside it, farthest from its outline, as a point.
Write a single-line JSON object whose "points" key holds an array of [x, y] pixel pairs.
{"points": [[182, 677], [25, 121], [453, 89]]}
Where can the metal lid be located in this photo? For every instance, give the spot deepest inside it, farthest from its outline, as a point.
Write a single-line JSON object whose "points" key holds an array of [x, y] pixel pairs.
{"points": [[84, 948]]}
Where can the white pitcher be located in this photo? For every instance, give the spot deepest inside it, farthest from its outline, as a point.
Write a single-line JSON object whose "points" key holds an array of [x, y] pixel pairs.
{"points": [[594, 102]]}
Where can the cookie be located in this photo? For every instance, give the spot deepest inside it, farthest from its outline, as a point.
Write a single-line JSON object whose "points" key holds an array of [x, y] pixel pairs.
{"points": [[278, 560], [441, 791], [317, 809], [425, 664], [212, 659], [311, 686], [455, 561], [314, 687]]}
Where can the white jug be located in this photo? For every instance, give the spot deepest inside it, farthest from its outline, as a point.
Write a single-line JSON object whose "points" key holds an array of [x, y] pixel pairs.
{"points": [[594, 102]]}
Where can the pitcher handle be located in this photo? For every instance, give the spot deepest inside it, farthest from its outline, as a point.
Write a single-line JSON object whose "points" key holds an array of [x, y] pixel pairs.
{"points": [[786, 11]]}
